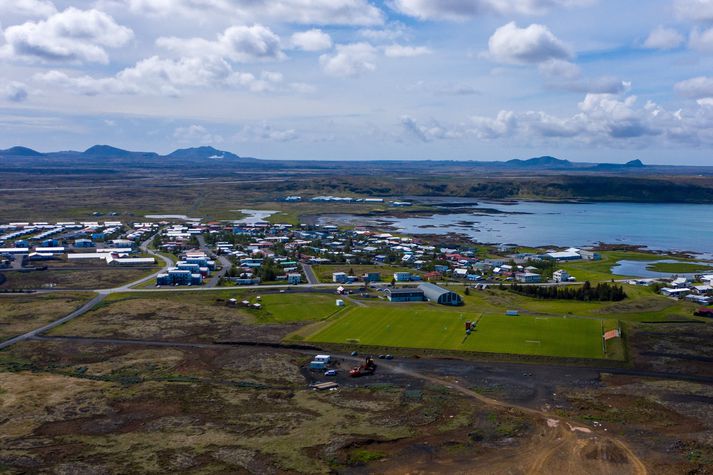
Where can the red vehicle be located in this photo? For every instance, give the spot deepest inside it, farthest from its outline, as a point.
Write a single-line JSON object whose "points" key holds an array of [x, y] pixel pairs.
{"points": [[367, 368]]}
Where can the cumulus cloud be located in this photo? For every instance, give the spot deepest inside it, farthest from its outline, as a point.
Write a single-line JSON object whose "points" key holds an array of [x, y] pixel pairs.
{"points": [[322, 12], [349, 60], [531, 45], [73, 35], [237, 43], [568, 76], [14, 91], [459, 10], [701, 40], [33, 8], [663, 38], [265, 132], [697, 10], [196, 134], [311, 40], [601, 120], [167, 77], [400, 51], [696, 88]]}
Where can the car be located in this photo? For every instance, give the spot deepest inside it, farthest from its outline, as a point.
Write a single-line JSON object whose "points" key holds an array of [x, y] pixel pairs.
{"points": [[330, 372], [355, 353], [389, 357], [381, 357]]}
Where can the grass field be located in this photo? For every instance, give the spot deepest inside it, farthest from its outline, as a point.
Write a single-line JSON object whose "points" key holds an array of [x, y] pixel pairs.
{"points": [[679, 267], [598, 271], [290, 308], [22, 313], [324, 272], [105, 278], [425, 326]]}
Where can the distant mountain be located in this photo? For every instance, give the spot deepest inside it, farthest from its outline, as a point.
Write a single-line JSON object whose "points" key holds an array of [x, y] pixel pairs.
{"points": [[20, 152], [112, 152], [633, 164], [202, 153], [540, 162]]}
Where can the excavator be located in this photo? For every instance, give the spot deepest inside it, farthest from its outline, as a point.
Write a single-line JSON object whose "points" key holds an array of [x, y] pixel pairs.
{"points": [[368, 367]]}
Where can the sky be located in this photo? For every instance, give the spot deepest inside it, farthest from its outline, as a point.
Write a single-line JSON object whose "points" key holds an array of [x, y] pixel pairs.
{"points": [[584, 80]]}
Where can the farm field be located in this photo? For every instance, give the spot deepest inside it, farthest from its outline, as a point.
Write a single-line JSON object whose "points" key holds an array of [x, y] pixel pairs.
{"points": [[424, 326]]}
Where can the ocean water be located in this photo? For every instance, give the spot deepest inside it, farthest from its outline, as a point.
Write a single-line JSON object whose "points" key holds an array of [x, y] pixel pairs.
{"points": [[681, 227]]}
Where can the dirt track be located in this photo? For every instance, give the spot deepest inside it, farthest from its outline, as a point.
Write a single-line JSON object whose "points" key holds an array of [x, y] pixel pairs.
{"points": [[565, 447]]}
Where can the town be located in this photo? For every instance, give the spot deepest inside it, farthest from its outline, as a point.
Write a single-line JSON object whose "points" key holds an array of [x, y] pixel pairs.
{"points": [[255, 252]]}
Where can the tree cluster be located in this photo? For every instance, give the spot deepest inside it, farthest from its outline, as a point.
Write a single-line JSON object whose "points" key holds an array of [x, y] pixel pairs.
{"points": [[603, 292]]}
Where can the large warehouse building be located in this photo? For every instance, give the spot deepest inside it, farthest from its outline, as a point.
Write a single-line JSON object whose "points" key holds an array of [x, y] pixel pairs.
{"points": [[439, 295]]}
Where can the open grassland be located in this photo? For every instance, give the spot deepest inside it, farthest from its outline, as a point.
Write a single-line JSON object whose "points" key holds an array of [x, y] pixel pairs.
{"points": [[232, 410], [680, 267], [324, 272], [598, 271], [22, 313], [642, 304], [424, 326], [204, 316], [105, 278]]}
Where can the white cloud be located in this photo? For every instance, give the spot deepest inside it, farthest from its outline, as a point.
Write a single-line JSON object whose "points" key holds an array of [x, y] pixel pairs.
{"points": [[196, 134], [400, 51], [311, 40], [166, 77], [601, 120], [460, 10], [568, 76], [14, 91], [390, 32], [533, 44], [265, 132], [663, 38], [322, 12], [34, 8], [697, 10], [237, 43], [560, 69], [696, 88], [72, 35], [349, 60], [701, 40]]}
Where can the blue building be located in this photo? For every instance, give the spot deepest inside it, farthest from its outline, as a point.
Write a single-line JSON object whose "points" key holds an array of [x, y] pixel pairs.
{"points": [[179, 277], [50, 243], [372, 277], [84, 243], [294, 279]]}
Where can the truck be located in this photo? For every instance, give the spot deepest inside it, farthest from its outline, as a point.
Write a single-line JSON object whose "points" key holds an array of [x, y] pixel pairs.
{"points": [[368, 367]]}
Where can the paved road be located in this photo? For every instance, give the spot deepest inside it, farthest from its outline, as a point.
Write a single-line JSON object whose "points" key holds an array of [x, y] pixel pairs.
{"points": [[224, 262], [80, 311], [310, 275], [144, 248]]}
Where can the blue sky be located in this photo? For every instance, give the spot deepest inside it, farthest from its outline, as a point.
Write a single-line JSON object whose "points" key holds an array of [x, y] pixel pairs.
{"points": [[587, 80]]}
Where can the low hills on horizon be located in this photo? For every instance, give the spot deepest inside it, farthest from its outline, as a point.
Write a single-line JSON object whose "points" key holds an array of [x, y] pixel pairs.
{"points": [[210, 153]]}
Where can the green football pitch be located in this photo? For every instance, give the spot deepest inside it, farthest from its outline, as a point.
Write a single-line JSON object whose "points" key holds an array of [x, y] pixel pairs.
{"points": [[426, 327]]}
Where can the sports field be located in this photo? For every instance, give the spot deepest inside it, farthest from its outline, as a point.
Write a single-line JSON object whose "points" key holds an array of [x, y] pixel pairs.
{"points": [[424, 326]]}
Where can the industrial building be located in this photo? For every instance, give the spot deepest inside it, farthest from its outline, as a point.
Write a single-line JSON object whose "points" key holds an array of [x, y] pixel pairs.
{"points": [[439, 295]]}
